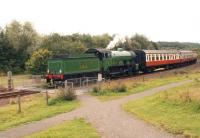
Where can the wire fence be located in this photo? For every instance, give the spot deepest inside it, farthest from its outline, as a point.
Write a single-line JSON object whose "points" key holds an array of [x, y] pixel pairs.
{"points": [[22, 81], [83, 81]]}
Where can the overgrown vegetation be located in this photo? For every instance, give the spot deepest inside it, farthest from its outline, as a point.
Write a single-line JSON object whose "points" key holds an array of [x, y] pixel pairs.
{"points": [[116, 88], [37, 64], [77, 128], [177, 109], [113, 90], [33, 108], [67, 93]]}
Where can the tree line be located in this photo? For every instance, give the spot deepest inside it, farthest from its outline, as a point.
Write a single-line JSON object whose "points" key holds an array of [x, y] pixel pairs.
{"points": [[23, 49], [179, 45]]}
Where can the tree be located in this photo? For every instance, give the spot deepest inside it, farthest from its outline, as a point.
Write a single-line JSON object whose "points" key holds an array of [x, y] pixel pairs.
{"points": [[37, 64], [62, 44], [23, 38], [13, 31], [29, 38], [138, 42], [7, 55]]}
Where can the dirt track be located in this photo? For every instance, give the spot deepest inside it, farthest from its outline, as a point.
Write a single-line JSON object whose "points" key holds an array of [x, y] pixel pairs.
{"points": [[107, 117]]}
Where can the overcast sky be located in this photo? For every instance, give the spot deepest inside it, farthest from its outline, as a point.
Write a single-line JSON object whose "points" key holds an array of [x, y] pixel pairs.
{"points": [[159, 20]]}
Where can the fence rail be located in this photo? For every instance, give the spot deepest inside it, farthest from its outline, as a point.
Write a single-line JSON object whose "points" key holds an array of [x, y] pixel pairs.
{"points": [[83, 81]]}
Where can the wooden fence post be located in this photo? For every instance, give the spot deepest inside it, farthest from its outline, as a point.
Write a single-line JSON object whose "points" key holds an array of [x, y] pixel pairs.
{"points": [[47, 97], [19, 103], [9, 75], [80, 82], [87, 81], [143, 78]]}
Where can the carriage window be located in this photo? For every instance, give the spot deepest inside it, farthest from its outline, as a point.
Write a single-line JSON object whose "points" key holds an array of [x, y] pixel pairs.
{"points": [[163, 57], [157, 57], [150, 57], [153, 57], [171, 57], [177, 57]]}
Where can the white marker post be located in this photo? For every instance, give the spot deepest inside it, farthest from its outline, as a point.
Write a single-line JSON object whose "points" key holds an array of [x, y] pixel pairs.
{"points": [[10, 86], [99, 77]]}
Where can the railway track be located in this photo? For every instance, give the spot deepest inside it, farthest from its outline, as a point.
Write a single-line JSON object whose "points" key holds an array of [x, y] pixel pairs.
{"points": [[155, 74], [158, 73], [16, 93]]}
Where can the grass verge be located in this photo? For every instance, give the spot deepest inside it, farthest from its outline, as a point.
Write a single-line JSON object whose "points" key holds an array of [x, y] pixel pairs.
{"points": [[77, 128], [33, 109], [106, 91], [177, 110]]}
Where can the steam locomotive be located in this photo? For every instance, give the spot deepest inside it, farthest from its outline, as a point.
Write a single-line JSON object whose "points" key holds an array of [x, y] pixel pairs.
{"points": [[111, 63]]}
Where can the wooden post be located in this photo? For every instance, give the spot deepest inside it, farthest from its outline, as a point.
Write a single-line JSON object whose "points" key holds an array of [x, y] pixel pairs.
{"points": [[47, 97], [87, 81], [9, 75], [66, 84], [19, 103], [143, 78], [80, 82], [72, 85]]}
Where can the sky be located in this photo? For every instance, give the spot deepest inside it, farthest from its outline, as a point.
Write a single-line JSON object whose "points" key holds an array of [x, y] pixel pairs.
{"points": [[158, 20]]}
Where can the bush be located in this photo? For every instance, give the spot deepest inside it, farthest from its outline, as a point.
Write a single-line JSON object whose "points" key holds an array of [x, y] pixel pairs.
{"points": [[99, 91], [120, 88], [66, 93], [96, 89], [196, 80], [38, 61], [185, 96]]}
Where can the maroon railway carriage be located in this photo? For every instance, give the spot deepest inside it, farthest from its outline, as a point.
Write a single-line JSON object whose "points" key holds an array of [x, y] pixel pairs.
{"points": [[168, 58]]}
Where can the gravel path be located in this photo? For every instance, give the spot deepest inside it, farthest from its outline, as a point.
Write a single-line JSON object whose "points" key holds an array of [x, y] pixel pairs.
{"points": [[107, 117]]}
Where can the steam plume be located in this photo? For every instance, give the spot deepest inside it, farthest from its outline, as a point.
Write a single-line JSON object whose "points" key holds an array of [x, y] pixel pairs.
{"points": [[116, 40]]}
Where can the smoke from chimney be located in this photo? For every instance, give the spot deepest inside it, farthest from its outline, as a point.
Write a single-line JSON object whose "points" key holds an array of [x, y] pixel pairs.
{"points": [[116, 40]]}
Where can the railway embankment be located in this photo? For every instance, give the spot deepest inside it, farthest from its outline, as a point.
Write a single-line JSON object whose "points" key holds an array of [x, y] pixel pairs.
{"points": [[176, 110]]}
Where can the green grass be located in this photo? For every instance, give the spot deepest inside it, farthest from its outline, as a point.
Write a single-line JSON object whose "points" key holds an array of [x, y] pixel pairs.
{"points": [[77, 128], [176, 110], [20, 80], [136, 87], [33, 109], [17, 80]]}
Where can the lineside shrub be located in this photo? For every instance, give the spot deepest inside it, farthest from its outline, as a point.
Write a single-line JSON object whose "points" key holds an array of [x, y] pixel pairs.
{"points": [[120, 88], [63, 94]]}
